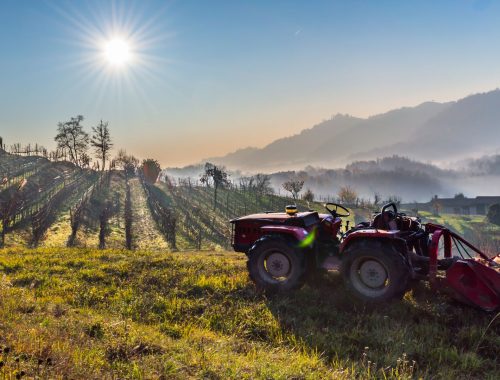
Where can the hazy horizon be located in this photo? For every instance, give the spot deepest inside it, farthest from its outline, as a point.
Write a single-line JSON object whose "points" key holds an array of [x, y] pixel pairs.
{"points": [[207, 79]]}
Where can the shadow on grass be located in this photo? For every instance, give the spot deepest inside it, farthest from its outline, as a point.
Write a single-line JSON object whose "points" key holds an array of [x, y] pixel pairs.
{"points": [[428, 328]]}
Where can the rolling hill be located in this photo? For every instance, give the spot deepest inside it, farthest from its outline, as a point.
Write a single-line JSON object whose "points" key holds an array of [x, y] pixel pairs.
{"points": [[430, 132]]}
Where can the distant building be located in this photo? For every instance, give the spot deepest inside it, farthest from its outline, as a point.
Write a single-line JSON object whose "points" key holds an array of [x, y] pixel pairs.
{"points": [[459, 205]]}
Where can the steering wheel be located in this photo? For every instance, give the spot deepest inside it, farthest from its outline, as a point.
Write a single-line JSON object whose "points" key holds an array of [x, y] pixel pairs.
{"points": [[334, 207]]}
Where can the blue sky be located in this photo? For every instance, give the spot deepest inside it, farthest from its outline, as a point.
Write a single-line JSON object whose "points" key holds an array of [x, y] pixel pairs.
{"points": [[210, 77]]}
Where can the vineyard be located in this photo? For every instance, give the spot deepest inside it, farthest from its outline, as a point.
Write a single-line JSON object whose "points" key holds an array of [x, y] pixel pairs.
{"points": [[57, 204]]}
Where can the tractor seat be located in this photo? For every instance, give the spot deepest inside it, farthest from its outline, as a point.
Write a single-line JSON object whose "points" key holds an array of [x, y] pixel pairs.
{"points": [[391, 222], [385, 221]]}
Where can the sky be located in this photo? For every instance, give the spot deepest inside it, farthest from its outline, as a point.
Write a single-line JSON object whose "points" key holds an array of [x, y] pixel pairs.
{"points": [[206, 78]]}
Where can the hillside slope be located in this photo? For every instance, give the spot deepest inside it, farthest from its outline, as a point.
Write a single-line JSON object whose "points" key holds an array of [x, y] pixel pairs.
{"points": [[95, 211], [429, 131]]}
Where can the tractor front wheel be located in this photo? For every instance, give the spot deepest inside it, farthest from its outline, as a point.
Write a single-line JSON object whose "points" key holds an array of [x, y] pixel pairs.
{"points": [[375, 274], [275, 265]]}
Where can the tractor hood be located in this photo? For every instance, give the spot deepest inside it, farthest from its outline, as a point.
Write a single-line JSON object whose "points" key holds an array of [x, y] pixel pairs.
{"points": [[307, 218]]}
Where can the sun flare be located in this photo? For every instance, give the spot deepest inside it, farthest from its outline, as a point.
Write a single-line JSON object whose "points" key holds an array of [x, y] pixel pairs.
{"points": [[117, 52]]}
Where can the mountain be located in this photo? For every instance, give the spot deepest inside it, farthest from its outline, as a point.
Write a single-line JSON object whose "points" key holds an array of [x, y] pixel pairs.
{"points": [[466, 128], [430, 131], [288, 151]]}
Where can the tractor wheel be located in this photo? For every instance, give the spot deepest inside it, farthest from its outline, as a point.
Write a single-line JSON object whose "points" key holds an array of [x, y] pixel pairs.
{"points": [[375, 274], [275, 265]]}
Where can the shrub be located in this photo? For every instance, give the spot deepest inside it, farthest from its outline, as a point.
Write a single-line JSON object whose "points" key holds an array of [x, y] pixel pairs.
{"points": [[151, 170], [494, 214]]}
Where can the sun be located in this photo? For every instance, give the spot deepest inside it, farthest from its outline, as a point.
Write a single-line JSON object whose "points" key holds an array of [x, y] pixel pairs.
{"points": [[117, 52]]}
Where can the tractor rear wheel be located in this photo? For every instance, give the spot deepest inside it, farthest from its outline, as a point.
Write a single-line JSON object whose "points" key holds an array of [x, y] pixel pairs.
{"points": [[375, 274], [275, 265]]}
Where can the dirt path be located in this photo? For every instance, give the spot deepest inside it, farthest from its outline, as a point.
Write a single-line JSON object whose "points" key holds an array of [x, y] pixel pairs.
{"points": [[58, 233], [145, 234], [116, 223]]}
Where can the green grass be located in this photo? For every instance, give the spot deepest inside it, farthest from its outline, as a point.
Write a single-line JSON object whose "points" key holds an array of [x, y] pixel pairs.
{"points": [[86, 313], [459, 223], [474, 228]]}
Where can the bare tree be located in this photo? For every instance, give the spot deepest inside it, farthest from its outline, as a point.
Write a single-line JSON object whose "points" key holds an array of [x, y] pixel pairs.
{"points": [[347, 195], [217, 175], [101, 142], [72, 138], [308, 196], [293, 186], [262, 183], [126, 162], [246, 183]]}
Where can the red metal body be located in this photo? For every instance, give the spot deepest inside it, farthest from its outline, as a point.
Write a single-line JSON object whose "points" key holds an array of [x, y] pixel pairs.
{"points": [[367, 234], [475, 281], [250, 228], [298, 233]]}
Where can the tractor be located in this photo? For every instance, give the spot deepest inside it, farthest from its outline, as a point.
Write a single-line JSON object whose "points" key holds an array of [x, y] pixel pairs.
{"points": [[379, 260]]}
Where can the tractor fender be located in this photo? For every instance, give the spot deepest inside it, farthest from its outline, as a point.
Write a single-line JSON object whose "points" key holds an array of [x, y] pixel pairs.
{"points": [[369, 234], [298, 233]]}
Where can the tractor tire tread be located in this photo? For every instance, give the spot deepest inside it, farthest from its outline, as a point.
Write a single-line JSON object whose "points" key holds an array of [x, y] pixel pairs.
{"points": [[396, 262], [268, 287]]}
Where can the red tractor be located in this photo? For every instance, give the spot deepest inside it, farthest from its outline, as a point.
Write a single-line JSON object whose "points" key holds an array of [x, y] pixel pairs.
{"points": [[378, 259]]}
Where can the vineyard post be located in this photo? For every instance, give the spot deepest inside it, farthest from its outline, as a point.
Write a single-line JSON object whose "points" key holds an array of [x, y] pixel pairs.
{"points": [[200, 237], [2, 234]]}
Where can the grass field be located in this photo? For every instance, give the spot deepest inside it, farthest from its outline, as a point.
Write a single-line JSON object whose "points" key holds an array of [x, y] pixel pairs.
{"points": [[112, 314], [474, 228]]}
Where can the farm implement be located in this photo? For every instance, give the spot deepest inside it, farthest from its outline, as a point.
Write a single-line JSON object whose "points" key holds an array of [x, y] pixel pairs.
{"points": [[378, 260]]}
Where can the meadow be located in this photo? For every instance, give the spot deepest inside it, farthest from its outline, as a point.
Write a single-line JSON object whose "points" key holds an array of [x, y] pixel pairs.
{"points": [[86, 313]]}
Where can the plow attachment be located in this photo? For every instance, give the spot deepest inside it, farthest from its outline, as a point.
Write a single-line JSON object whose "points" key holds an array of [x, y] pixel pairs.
{"points": [[473, 279]]}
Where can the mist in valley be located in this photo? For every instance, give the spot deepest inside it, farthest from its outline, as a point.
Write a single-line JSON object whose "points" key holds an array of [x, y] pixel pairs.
{"points": [[387, 177]]}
